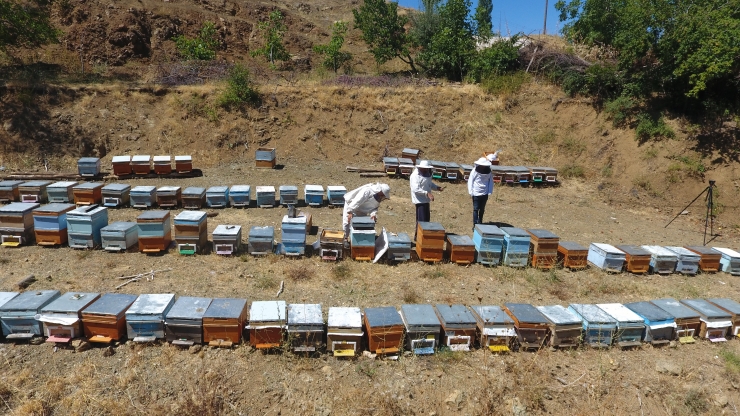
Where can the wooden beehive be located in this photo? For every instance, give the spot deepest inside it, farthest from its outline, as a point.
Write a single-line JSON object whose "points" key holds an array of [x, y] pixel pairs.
{"points": [[267, 321], [183, 163], [227, 239], [460, 249], [606, 257], [88, 193], [630, 326], [9, 191], [16, 223], [466, 170], [565, 326], [155, 232], [162, 165], [224, 322], [406, 166], [61, 192], [217, 197], [143, 197], [715, 322], [543, 247], [193, 197], [390, 166], [458, 326], [265, 196], [439, 169], [105, 319], [572, 255], [116, 195], [18, 315], [305, 327], [430, 241], [688, 322], [453, 172], [88, 166], [412, 154], [84, 225], [122, 165], [516, 247], [34, 191], [660, 326], [710, 259], [731, 307], [141, 164], [145, 317], [637, 260], [688, 261], [422, 328], [50, 224], [119, 236], [598, 326], [531, 325], [261, 240], [240, 196], [384, 329], [496, 329], [191, 232], [662, 260], [183, 324], [62, 317], [344, 331], [362, 238], [331, 244], [169, 196], [265, 157]]}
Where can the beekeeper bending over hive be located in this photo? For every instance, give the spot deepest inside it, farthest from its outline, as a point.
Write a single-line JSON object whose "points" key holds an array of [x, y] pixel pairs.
{"points": [[363, 201]]}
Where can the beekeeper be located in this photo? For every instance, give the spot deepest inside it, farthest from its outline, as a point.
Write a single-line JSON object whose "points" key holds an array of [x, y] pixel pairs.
{"points": [[363, 201], [480, 186], [421, 190]]}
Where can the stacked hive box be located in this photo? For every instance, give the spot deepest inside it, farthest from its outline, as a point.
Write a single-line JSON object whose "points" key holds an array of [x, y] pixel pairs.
{"points": [[288, 195], [265, 157], [18, 315], [162, 165], [460, 249], [141, 164], [266, 324], [489, 244], [155, 231], [183, 163], [305, 327], [184, 321], [50, 224], [105, 320], [224, 321], [88, 166], [544, 248], [572, 255], [422, 328], [412, 154], [265, 196], [88, 193], [294, 236], [331, 245], [119, 236], [637, 260], [145, 317], [34, 191], [496, 329], [362, 238], [227, 239], [168, 196], [9, 191], [217, 197], [61, 192], [193, 197], [430, 241], [62, 317], [240, 196], [16, 223], [116, 195], [84, 225], [344, 331], [261, 240], [143, 197], [191, 232], [709, 260], [121, 165], [531, 325], [516, 247]]}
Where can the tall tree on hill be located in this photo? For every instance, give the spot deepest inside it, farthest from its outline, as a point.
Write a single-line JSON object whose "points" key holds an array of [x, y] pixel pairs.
{"points": [[273, 29], [484, 27], [424, 24], [383, 31], [25, 24], [452, 46]]}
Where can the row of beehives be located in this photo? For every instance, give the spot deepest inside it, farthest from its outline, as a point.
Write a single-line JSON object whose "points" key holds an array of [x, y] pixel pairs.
{"points": [[117, 195], [419, 328]]}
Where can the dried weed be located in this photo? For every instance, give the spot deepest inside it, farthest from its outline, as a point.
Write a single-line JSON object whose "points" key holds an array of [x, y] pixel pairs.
{"points": [[300, 273]]}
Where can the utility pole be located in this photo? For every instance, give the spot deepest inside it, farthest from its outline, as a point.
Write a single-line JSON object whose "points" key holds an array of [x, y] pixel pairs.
{"points": [[544, 25]]}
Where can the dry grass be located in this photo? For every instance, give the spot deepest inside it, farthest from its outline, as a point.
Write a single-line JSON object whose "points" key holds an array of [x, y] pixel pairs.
{"points": [[300, 273]]}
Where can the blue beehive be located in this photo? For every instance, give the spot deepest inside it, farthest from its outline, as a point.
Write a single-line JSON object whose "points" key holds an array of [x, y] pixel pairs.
{"points": [[399, 247], [630, 326], [145, 317], [362, 232], [662, 260], [84, 225], [51, 217], [18, 316], [61, 192], [730, 261], [217, 196], [266, 196], [261, 240], [119, 236], [660, 326], [335, 195], [240, 195], [606, 257], [314, 195], [489, 244], [116, 195], [143, 197], [88, 166], [598, 326], [516, 247], [294, 236], [154, 224], [288, 195]]}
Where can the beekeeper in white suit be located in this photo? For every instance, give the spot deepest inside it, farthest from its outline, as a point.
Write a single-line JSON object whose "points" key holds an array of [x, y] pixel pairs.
{"points": [[363, 201]]}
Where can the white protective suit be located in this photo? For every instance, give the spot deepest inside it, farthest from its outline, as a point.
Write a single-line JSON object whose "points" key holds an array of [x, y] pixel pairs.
{"points": [[362, 202]]}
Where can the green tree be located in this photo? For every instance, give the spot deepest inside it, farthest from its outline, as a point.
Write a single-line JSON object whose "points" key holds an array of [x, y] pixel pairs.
{"points": [[483, 25], [499, 58], [273, 29], [202, 47], [334, 58], [25, 24], [383, 31], [425, 23], [240, 89], [452, 46]]}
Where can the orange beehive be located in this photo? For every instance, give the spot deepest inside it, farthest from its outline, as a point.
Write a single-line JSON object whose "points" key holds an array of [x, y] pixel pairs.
{"points": [[460, 249], [88, 193], [572, 255], [430, 241]]}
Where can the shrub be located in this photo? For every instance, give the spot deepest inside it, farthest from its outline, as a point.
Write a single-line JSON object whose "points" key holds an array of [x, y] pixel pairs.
{"points": [[203, 47], [498, 59], [505, 83], [572, 171], [620, 110], [240, 89], [649, 128]]}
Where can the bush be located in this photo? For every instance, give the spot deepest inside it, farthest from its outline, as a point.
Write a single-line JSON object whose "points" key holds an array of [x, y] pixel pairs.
{"points": [[498, 59], [240, 89], [621, 110], [203, 47], [572, 171], [650, 128], [506, 83]]}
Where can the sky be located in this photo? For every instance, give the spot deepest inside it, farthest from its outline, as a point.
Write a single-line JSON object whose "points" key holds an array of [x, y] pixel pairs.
{"points": [[513, 16]]}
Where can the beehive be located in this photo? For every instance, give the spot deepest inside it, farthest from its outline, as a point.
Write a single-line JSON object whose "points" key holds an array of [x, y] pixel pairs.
{"points": [[240, 196], [183, 163], [362, 238], [121, 165], [143, 197], [155, 232], [406, 166], [572, 255], [88, 166], [191, 232], [344, 331], [119, 236], [688, 261], [314, 195], [598, 326], [162, 165], [141, 164], [193, 197], [9, 191], [565, 326], [630, 326], [265, 196], [412, 154], [453, 171], [261, 240], [305, 327], [224, 322], [34, 191], [169, 196], [227, 239], [606, 257], [267, 320], [710, 259], [116, 195], [516, 247], [18, 315], [84, 225], [88, 193], [288, 195], [543, 248], [458, 326], [439, 169], [688, 322], [145, 317], [61, 192], [293, 236], [460, 249], [265, 157], [660, 326], [105, 319], [496, 329], [430, 241], [715, 322], [62, 317], [50, 224], [662, 260], [522, 175], [637, 259], [466, 170], [489, 244], [399, 247], [184, 321], [217, 197], [731, 307], [384, 329], [331, 244], [422, 328], [531, 325], [335, 195], [730, 260], [16, 223], [498, 175], [390, 166]]}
